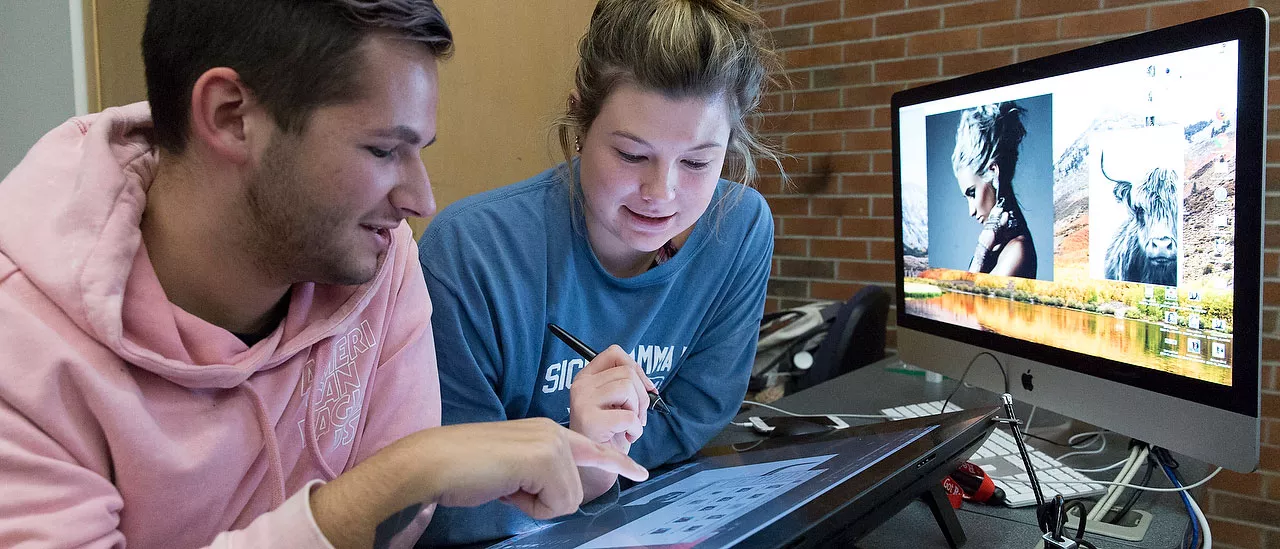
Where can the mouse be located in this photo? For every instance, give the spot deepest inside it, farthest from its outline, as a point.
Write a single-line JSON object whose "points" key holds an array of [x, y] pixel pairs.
{"points": [[797, 426]]}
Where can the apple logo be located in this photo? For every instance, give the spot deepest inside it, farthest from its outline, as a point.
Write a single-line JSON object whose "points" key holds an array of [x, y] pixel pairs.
{"points": [[1026, 381]]}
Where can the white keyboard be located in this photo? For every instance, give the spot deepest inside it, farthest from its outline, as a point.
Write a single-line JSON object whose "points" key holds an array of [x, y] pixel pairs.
{"points": [[999, 457]]}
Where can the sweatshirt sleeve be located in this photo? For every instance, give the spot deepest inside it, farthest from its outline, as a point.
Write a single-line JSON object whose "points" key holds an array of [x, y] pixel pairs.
{"points": [[52, 501], [707, 390]]}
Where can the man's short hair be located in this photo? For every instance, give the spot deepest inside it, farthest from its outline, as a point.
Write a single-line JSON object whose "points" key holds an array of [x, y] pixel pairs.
{"points": [[294, 55]]}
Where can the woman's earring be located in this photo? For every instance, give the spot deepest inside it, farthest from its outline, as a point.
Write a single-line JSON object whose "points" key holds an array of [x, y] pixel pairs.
{"points": [[577, 144]]}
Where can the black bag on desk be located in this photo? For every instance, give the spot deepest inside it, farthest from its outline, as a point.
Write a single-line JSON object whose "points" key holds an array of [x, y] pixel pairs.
{"points": [[807, 345]]}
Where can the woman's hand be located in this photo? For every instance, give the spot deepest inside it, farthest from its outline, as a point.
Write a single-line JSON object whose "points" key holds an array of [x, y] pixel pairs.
{"points": [[609, 400]]}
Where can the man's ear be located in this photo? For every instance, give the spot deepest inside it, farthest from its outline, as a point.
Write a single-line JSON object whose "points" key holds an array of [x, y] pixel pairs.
{"points": [[220, 108]]}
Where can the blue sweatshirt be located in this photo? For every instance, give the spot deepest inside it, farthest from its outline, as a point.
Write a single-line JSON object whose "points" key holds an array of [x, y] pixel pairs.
{"points": [[502, 264]]}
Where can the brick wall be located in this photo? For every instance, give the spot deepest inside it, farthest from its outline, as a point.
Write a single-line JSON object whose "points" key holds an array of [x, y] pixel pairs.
{"points": [[835, 223]]}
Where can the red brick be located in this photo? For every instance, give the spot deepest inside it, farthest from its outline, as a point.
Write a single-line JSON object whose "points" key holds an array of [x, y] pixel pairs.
{"points": [[943, 41], [1169, 15], [787, 38], [805, 101], [813, 56], [842, 31], [1034, 52], [865, 227], [1123, 3], [851, 75], [927, 3], [1246, 509], [903, 23], [878, 95], [850, 163], [981, 13], [808, 13], [854, 8], [771, 18], [790, 205], [1272, 212], [1022, 32], [865, 271], [1271, 292], [875, 50], [786, 123], [882, 250], [772, 305], [836, 291], [769, 184], [866, 183], [909, 69], [839, 249], [969, 63], [841, 206], [1268, 325], [1269, 460], [787, 288], [882, 118], [814, 142], [1236, 533], [842, 120], [1274, 380], [1104, 24], [790, 164], [872, 140], [882, 206], [1271, 404], [808, 268], [790, 246], [882, 162], [810, 226], [1245, 484], [1270, 348], [1271, 435], [1034, 8]]}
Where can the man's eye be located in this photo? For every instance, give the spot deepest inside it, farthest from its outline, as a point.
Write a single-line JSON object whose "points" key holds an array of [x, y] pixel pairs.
{"points": [[378, 153], [630, 158]]}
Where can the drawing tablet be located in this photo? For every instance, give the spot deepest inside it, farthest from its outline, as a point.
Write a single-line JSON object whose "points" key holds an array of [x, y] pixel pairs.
{"points": [[799, 492]]}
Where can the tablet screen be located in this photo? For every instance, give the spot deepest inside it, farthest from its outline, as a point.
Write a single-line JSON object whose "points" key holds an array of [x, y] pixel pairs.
{"points": [[720, 500]]}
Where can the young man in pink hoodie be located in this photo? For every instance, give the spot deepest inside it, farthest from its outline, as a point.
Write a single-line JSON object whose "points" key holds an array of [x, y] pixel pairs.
{"points": [[212, 328]]}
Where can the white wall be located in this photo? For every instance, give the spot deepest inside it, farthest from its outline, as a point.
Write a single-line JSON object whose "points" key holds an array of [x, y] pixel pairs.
{"points": [[38, 79]]}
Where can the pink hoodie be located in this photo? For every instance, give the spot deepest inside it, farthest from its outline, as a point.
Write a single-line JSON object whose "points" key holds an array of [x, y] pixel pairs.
{"points": [[126, 420]]}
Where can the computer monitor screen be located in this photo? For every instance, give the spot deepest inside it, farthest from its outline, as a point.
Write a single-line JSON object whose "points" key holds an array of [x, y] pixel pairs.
{"points": [[1094, 218]]}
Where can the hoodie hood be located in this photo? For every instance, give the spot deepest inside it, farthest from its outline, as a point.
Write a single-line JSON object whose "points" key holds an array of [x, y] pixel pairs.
{"points": [[70, 216]]}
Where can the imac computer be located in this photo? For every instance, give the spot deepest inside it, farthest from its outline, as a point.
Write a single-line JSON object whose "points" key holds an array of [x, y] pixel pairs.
{"points": [[1093, 219]]}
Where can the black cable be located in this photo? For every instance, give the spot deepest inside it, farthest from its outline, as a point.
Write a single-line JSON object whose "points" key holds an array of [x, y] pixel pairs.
{"points": [[966, 374], [1133, 498], [1080, 527], [1083, 442]]}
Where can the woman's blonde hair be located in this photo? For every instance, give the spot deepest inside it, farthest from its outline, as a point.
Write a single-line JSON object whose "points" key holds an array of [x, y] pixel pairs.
{"points": [[680, 48]]}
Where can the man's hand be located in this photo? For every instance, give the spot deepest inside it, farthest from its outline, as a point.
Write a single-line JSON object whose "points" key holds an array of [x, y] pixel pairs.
{"points": [[530, 463]]}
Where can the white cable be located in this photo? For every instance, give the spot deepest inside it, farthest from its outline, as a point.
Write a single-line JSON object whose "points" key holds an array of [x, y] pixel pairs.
{"points": [[793, 414], [1137, 456], [1104, 483], [1102, 436]]}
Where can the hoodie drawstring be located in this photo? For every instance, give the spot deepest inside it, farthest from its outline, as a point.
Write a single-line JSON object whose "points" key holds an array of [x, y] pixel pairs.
{"points": [[274, 466], [313, 443]]}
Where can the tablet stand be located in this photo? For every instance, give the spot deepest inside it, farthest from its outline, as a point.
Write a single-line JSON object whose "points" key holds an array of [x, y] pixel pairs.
{"points": [[938, 503]]}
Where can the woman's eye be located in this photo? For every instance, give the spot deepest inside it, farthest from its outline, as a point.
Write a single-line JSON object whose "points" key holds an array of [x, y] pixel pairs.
{"points": [[630, 158], [694, 165], [378, 153]]}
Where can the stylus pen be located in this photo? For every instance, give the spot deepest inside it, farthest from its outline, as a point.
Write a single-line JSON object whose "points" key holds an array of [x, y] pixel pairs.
{"points": [[655, 400], [1022, 447]]}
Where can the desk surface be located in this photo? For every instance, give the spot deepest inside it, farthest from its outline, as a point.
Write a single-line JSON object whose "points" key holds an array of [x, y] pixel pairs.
{"points": [[881, 385]]}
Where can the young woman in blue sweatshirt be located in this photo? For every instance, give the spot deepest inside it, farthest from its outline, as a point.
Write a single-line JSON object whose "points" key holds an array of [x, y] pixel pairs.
{"points": [[635, 245]]}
